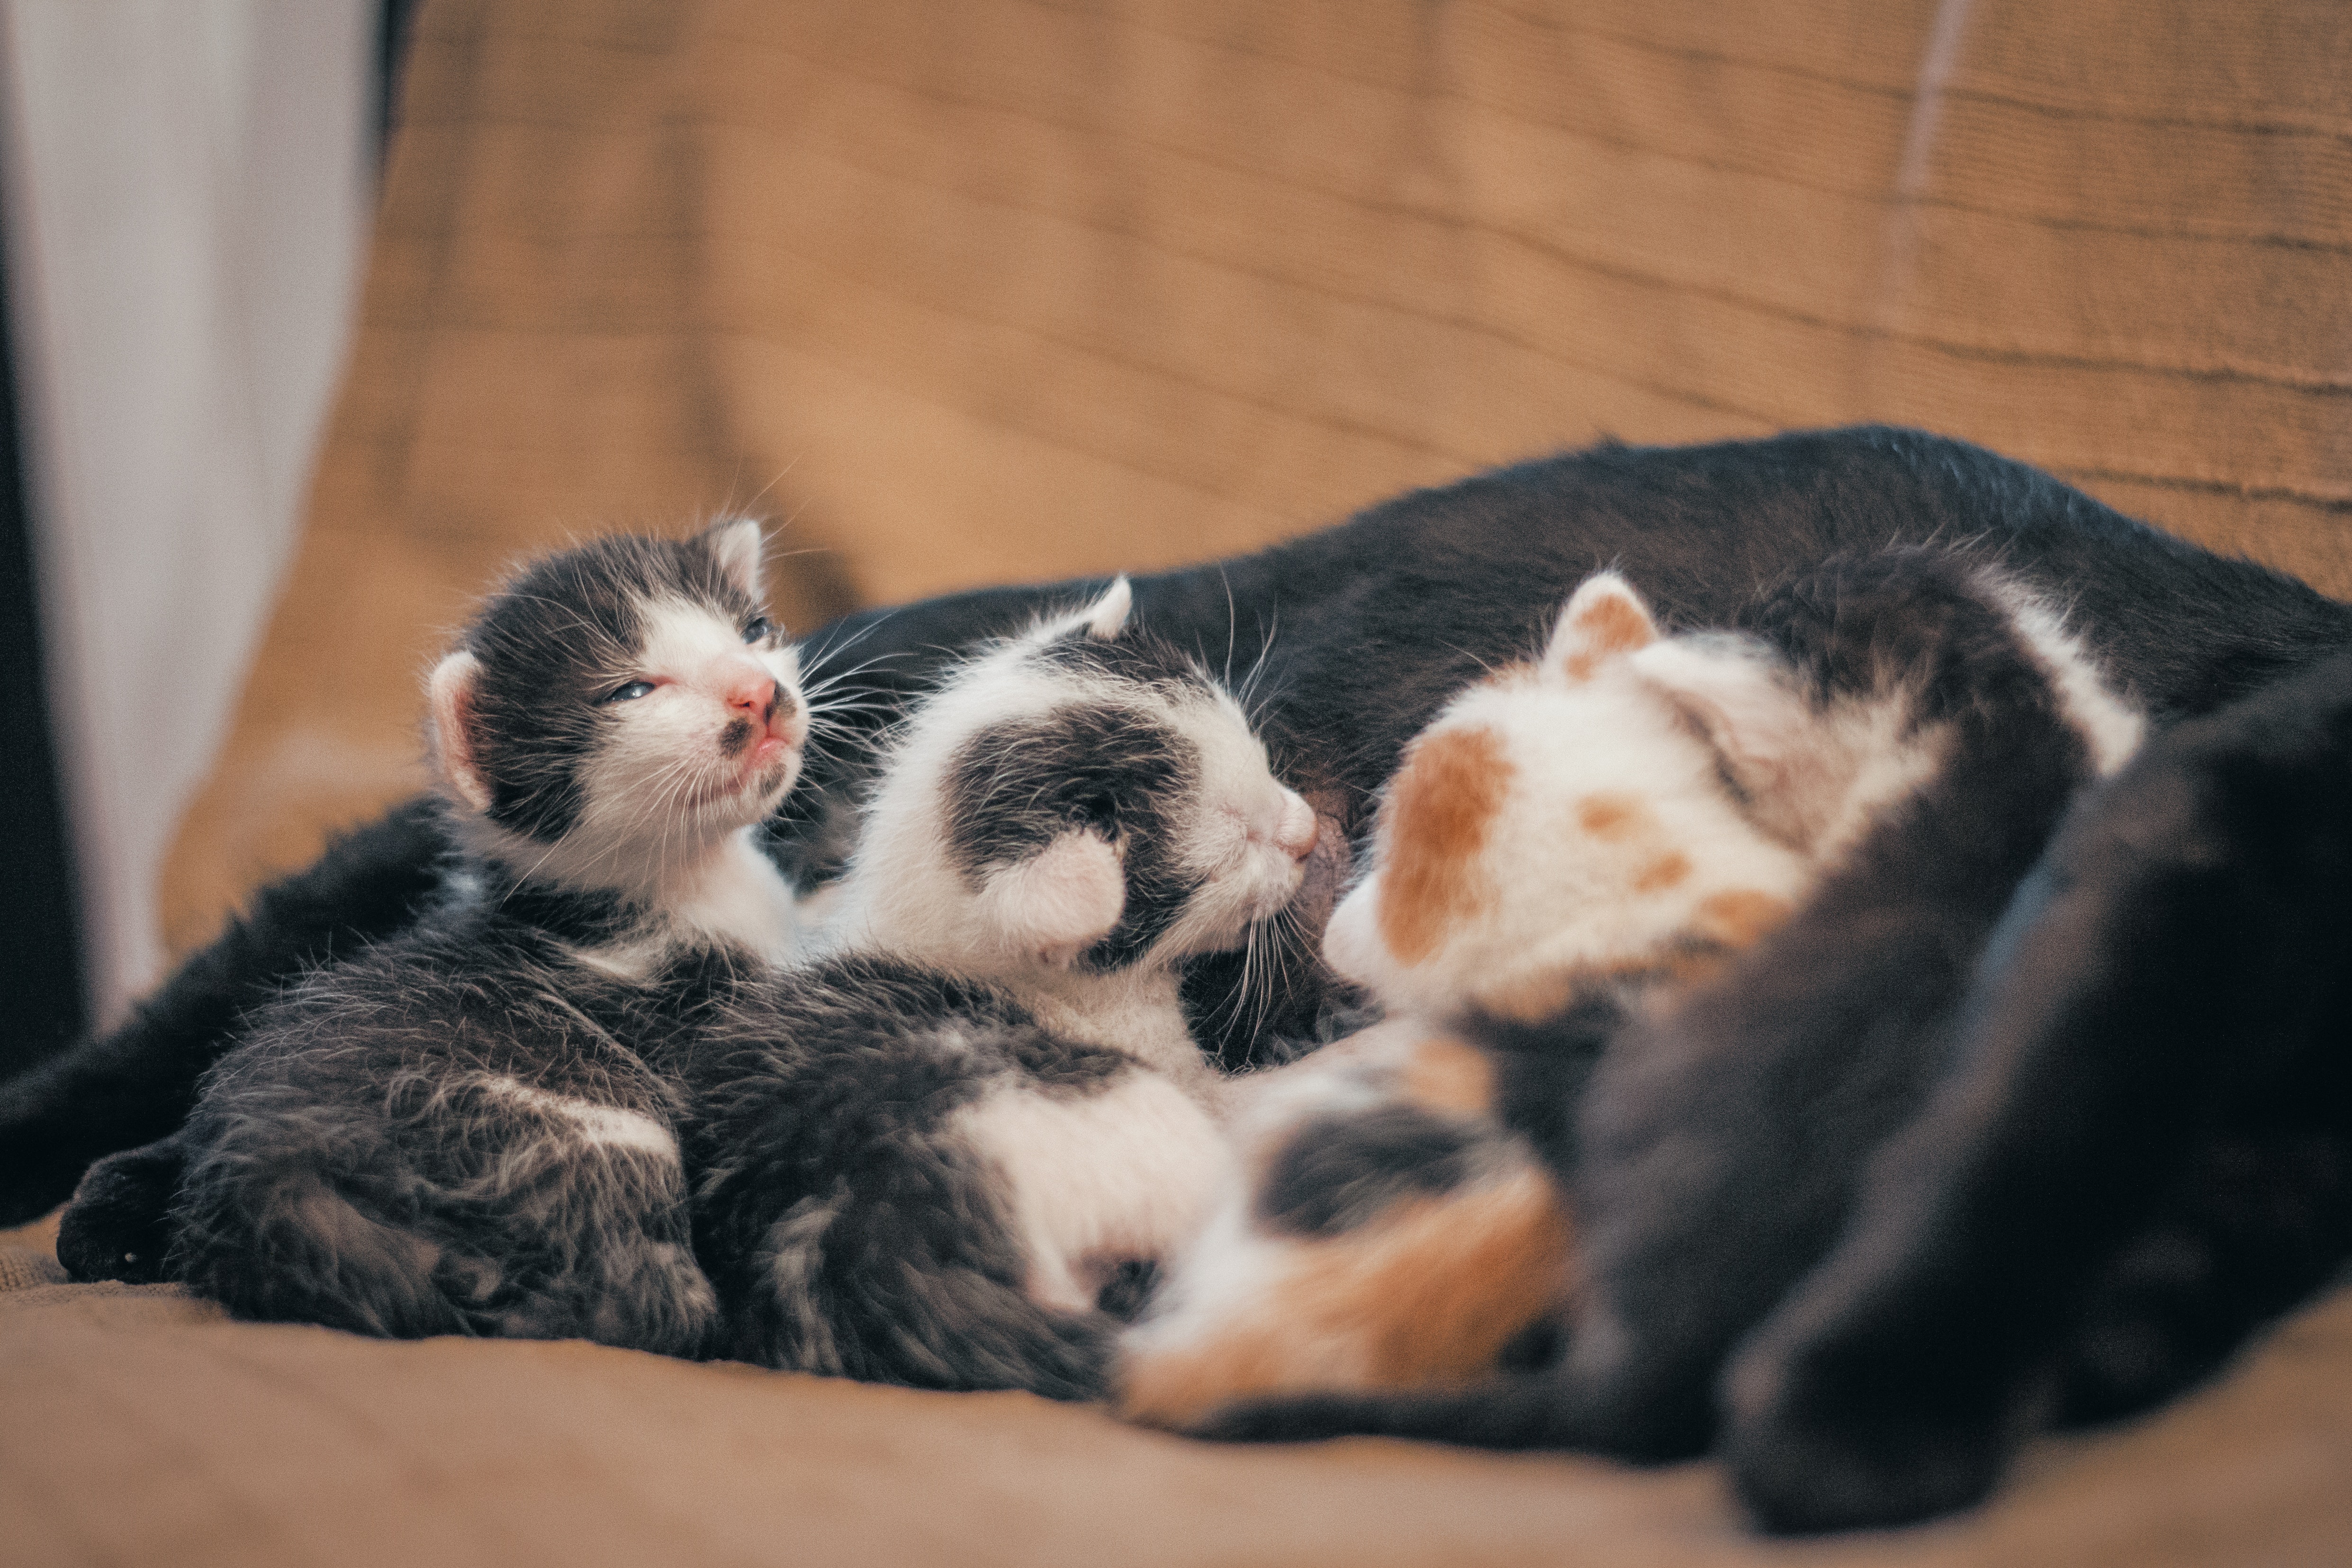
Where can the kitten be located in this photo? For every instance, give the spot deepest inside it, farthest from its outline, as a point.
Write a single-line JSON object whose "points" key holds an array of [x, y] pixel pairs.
{"points": [[2131, 1164], [1357, 635], [1714, 1149], [925, 1155], [1578, 833], [466, 1129]]}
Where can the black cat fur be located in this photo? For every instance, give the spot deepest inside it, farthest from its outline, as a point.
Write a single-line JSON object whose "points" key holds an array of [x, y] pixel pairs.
{"points": [[2141, 1153], [1364, 630]]}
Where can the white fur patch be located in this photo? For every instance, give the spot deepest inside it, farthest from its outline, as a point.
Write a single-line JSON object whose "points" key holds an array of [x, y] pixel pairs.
{"points": [[2111, 730], [602, 1126], [1094, 1180], [1061, 900]]}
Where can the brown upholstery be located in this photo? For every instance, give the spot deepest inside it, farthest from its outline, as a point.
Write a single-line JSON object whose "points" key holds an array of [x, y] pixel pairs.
{"points": [[977, 290]]}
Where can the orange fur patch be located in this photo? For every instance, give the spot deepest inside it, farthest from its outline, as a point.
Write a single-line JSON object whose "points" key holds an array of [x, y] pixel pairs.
{"points": [[1663, 872], [1612, 816], [1431, 1294], [1738, 917], [1445, 1073], [1443, 801]]}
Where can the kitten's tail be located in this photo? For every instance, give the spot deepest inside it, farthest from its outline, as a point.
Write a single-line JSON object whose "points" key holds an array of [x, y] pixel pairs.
{"points": [[137, 1083], [834, 1291]]}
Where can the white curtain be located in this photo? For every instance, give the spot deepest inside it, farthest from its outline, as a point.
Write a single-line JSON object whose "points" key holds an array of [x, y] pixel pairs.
{"points": [[187, 186]]}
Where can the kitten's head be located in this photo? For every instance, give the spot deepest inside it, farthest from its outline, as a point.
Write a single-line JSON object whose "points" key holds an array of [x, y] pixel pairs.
{"points": [[1614, 811], [619, 706], [1081, 795]]}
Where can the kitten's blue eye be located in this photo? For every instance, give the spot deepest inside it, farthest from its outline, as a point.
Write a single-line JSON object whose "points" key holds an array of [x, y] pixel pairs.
{"points": [[758, 629], [631, 692]]}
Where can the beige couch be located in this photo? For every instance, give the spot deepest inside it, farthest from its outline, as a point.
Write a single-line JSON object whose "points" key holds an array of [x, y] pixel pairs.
{"points": [[977, 290]]}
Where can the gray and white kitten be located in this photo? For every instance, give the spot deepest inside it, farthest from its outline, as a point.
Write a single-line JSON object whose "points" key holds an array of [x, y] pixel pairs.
{"points": [[467, 1129], [922, 1157]]}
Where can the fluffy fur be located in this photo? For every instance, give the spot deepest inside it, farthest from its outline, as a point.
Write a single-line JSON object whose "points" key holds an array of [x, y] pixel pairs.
{"points": [[923, 1158], [1945, 720], [465, 1128]]}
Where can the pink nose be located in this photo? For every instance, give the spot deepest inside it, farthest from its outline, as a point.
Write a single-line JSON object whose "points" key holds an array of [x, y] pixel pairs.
{"points": [[753, 696]]}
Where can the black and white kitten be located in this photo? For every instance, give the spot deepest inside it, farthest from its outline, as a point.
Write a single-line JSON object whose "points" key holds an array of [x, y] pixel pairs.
{"points": [[921, 1158], [466, 1129]]}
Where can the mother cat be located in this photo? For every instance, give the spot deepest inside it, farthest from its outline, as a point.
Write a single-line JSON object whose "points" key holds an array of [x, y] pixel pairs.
{"points": [[1359, 633]]}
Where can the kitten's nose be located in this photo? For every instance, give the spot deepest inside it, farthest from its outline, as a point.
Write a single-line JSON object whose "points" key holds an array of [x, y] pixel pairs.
{"points": [[753, 696], [1295, 832]]}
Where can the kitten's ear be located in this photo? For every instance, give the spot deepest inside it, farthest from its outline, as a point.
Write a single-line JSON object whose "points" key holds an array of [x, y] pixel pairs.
{"points": [[1106, 616], [1102, 620], [1059, 901], [1603, 618], [1741, 695], [449, 697], [738, 542]]}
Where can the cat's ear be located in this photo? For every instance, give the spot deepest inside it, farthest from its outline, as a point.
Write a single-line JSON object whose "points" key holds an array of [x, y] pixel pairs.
{"points": [[738, 542], [449, 699], [1603, 619], [1741, 696], [1060, 901], [1106, 616]]}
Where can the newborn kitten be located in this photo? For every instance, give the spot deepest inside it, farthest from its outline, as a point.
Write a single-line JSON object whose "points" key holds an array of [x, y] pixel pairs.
{"points": [[466, 1129], [923, 1156]]}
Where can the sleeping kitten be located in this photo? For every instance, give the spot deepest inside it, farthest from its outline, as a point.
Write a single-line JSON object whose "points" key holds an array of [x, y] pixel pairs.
{"points": [[1615, 818], [1942, 721], [466, 1129], [922, 1157]]}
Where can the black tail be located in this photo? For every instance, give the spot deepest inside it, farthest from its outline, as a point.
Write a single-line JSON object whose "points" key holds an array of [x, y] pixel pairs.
{"points": [[135, 1085]]}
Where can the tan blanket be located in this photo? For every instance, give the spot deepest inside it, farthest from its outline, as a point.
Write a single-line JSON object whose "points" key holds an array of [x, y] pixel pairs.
{"points": [[142, 1428]]}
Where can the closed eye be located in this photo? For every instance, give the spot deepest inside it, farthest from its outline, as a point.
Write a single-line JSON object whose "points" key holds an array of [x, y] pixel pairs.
{"points": [[629, 693]]}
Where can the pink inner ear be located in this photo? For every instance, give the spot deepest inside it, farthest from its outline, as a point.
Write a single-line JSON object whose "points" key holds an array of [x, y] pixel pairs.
{"points": [[1063, 900], [449, 696]]}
